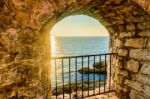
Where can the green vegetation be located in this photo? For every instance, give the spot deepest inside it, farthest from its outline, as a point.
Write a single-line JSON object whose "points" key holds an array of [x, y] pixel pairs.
{"points": [[86, 70], [99, 65], [98, 68]]}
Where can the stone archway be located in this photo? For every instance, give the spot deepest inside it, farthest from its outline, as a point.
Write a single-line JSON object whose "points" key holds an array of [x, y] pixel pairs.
{"points": [[24, 43]]}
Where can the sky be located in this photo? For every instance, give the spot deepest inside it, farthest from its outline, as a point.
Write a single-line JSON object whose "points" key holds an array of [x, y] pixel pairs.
{"points": [[79, 25]]}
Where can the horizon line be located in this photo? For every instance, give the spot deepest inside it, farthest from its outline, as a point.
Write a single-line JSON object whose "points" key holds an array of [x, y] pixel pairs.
{"points": [[79, 36]]}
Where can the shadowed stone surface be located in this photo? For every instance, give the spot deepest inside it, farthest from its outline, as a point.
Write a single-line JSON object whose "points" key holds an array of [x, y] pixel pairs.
{"points": [[25, 50]]}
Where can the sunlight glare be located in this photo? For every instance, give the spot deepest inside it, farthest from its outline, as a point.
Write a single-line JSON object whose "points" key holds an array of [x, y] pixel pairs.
{"points": [[53, 46]]}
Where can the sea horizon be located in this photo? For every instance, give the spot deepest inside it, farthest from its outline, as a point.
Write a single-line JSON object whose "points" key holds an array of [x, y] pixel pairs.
{"points": [[73, 46]]}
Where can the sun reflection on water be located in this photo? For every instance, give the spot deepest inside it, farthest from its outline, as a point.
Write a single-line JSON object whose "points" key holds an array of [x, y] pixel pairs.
{"points": [[53, 46]]}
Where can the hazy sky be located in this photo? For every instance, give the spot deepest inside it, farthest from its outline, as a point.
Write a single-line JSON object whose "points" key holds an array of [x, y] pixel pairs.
{"points": [[79, 25]]}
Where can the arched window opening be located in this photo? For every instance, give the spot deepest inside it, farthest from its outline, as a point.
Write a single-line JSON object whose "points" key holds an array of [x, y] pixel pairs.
{"points": [[79, 50]]}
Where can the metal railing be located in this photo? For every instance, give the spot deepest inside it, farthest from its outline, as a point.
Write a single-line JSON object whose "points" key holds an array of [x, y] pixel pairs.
{"points": [[81, 76]]}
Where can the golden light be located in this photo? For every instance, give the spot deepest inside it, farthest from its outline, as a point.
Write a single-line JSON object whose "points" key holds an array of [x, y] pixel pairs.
{"points": [[53, 46]]}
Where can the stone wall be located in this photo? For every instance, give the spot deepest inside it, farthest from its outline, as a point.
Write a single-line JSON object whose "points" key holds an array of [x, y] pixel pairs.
{"points": [[25, 50]]}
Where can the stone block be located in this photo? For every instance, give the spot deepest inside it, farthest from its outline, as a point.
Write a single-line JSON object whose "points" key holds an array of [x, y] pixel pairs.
{"points": [[145, 68], [121, 79], [148, 45], [123, 73], [130, 27], [118, 43], [118, 63], [133, 66], [141, 78], [147, 91], [134, 85], [144, 33], [126, 34], [123, 52], [140, 54], [135, 95], [135, 42], [143, 26]]}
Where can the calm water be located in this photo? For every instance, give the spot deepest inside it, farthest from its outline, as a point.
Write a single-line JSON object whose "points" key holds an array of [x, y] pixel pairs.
{"points": [[72, 46]]}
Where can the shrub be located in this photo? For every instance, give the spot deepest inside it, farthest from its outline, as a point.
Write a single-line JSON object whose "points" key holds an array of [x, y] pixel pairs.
{"points": [[99, 65], [86, 70]]}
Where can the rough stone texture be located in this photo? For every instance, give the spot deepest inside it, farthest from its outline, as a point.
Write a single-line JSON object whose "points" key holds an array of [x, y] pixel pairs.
{"points": [[123, 52], [135, 95], [135, 42], [135, 85], [145, 4], [132, 65], [140, 54], [25, 50], [145, 68], [145, 79], [144, 33], [126, 34]]}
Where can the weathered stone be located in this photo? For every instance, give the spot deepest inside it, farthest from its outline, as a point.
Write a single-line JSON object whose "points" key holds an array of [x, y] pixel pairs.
{"points": [[143, 26], [123, 73], [141, 78], [119, 63], [126, 34], [118, 43], [120, 81], [144, 33], [145, 68], [135, 85], [147, 90], [130, 27], [148, 45], [24, 37], [145, 4], [140, 54], [135, 95], [135, 42], [133, 66], [123, 52]]}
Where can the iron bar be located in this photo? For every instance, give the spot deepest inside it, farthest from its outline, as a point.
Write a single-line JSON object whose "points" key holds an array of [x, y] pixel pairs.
{"points": [[63, 76], [94, 78], [100, 76], [88, 75], [82, 56], [69, 80], [105, 72], [56, 77], [76, 77], [75, 84], [110, 72], [82, 77]]}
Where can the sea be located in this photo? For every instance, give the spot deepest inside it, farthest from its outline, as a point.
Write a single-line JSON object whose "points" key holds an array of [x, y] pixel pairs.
{"points": [[75, 46]]}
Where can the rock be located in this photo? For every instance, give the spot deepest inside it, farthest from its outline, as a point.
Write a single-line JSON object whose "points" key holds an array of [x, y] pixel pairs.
{"points": [[140, 54], [118, 43], [141, 78], [123, 73], [135, 85], [123, 52], [147, 90], [145, 68], [133, 66], [130, 27], [143, 25], [126, 34], [148, 45], [135, 42], [135, 95], [144, 33]]}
